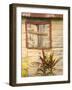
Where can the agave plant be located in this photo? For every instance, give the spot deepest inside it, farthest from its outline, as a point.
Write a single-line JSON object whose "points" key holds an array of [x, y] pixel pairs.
{"points": [[47, 65]]}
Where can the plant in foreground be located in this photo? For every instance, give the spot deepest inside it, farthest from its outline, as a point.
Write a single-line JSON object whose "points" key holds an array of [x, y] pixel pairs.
{"points": [[47, 64]]}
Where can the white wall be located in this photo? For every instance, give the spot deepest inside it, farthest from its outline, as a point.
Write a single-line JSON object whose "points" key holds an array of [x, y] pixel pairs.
{"points": [[4, 44]]}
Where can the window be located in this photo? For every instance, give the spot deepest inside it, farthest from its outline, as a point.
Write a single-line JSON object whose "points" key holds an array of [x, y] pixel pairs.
{"points": [[38, 34]]}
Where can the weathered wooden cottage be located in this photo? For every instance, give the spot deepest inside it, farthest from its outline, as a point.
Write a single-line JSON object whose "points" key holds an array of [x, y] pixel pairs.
{"points": [[41, 32]]}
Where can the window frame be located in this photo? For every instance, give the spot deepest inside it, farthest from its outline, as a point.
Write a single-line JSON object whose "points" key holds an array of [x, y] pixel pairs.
{"points": [[35, 23]]}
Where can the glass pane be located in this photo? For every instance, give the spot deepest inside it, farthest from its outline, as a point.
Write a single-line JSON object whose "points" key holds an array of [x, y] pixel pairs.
{"points": [[32, 40], [31, 28], [32, 37], [43, 40]]}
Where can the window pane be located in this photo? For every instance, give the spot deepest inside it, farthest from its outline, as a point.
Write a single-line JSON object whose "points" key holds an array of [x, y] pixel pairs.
{"points": [[32, 40], [44, 40], [32, 37]]}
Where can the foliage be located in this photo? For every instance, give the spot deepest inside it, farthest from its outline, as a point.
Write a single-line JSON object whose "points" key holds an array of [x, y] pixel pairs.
{"points": [[47, 65], [25, 67]]}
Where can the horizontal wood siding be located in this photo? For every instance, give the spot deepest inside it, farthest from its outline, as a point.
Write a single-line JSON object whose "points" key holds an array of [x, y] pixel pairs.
{"points": [[57, 47]]}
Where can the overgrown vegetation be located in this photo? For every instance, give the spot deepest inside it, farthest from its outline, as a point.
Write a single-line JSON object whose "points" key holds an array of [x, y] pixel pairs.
{"points": [[45, 67]]}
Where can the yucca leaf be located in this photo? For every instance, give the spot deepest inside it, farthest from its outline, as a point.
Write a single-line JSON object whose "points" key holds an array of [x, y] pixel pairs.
{"points": [[55, 62]]}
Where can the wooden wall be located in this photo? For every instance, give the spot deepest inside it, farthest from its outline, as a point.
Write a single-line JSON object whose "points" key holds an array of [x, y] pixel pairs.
{"points": [[33, 54]]}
